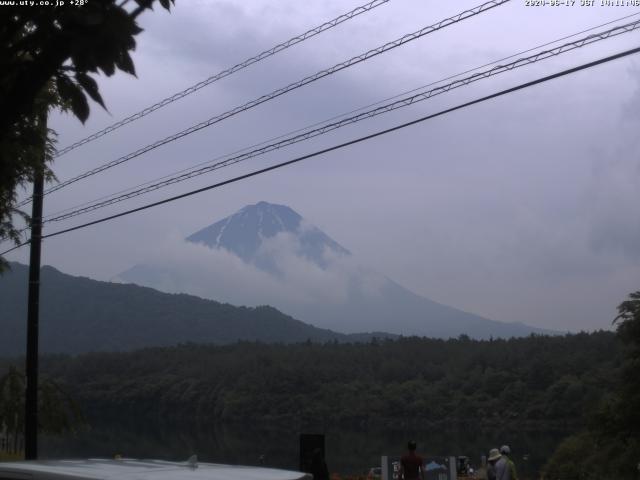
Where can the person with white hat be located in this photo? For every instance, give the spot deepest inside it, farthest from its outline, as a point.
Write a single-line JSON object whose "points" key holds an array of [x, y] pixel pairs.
{"points": [[494, 455], [499, 466]]}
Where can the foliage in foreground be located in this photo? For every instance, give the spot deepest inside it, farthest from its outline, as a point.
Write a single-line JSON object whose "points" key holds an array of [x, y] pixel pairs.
{"points": [[57, 412], [610, 446], [46, 58]]}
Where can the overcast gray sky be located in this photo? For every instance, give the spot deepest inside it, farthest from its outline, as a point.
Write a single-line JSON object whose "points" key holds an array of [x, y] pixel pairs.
{"points": [[524, 208]]}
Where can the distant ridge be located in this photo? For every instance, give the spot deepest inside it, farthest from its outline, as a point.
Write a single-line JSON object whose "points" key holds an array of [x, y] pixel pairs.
{"points": [[82, 315]]}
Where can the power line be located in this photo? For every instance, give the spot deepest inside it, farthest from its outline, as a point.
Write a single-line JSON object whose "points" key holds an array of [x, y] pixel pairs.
{"points": [[225, 73], [379, 102], [473, 69], [276, 93], [345, 144], [14, 248], [404, 102]]}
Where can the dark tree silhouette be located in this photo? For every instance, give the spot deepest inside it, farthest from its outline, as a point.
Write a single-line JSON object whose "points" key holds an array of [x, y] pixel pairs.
{"points": [[610, 447], [58, 411], [47, 56]]}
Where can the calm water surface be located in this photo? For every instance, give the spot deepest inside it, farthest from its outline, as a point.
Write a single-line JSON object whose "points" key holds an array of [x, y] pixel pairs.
{"points": [[349, 450]]}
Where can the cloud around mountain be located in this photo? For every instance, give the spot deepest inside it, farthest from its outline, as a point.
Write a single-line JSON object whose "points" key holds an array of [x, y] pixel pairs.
{"points": [[267, 254], [177, 265]]}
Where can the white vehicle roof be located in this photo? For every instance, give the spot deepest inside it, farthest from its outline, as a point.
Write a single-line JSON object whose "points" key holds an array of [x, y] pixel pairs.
{"points": [[128, 469]]}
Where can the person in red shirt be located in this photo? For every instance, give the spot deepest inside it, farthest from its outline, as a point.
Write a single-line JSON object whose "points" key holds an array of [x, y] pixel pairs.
{"points": [[411, 465]]}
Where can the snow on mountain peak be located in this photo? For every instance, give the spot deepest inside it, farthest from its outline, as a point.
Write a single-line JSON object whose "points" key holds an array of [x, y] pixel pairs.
{"points": [[245, 232]]}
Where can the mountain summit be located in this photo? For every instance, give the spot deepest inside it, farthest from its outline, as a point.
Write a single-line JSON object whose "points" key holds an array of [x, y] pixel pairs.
{"points": [[244, 233], [267, 253]]}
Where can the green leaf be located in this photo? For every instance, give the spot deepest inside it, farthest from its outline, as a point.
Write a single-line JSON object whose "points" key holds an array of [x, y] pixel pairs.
{"points": [[71, 93], [91, 87], [107, 67], [125, 63], [79, 105], [65, 88]]}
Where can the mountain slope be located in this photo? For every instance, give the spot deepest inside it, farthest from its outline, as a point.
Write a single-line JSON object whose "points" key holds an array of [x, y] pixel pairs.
{"points": [[398, 310], [310, 276], [80, 315]]}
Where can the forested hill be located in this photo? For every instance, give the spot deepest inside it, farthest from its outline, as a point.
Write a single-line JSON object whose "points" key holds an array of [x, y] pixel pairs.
{"points": [[534, 381], [81, 315]]}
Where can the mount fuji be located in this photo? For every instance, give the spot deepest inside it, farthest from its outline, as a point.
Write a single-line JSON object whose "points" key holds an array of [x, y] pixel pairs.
{"points": [[269, 254]]}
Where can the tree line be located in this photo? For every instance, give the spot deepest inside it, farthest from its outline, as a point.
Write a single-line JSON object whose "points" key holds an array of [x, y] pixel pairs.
{"points": [[534, 381]]}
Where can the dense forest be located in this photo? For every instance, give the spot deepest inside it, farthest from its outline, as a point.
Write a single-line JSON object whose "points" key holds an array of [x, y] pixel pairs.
{"points": [[531, 381]]}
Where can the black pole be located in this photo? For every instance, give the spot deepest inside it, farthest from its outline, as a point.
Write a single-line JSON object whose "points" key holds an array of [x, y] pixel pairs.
{"points": [[31, 401]]}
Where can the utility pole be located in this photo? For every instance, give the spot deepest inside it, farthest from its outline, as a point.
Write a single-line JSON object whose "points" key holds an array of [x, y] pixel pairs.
{"points": [[31, 394]]}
